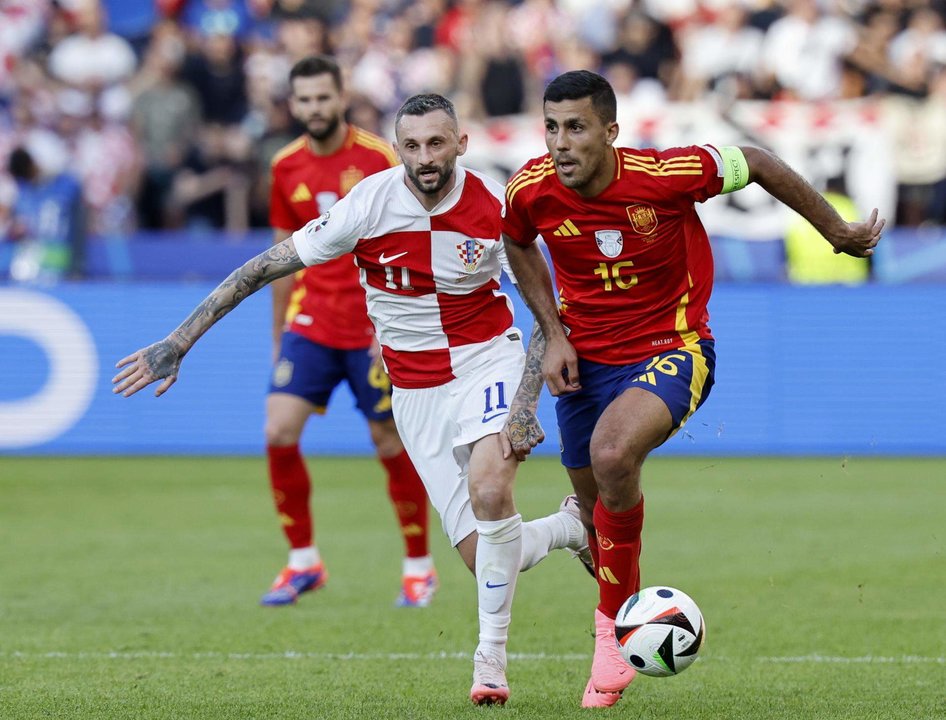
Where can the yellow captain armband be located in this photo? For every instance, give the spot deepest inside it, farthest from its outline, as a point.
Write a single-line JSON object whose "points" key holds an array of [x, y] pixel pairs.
{"points": [[735, 169]]}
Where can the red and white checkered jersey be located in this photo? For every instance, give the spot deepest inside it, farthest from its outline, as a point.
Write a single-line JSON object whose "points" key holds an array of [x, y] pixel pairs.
{"points": [[431, 277]]}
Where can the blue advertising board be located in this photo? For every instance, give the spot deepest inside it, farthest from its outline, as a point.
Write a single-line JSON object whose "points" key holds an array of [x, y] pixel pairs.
{"points": [[847, 371]]}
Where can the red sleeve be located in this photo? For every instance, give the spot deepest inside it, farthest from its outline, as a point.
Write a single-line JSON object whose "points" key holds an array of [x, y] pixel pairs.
{"points": [[515, 219], [280, 212], [692, 172]]}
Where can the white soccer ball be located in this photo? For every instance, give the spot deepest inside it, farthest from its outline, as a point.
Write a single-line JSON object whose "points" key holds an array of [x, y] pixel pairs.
{"points": [[659, 631]]}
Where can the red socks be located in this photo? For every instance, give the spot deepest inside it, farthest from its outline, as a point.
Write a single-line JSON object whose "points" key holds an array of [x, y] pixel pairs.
{"points": [[410, 502], [619, 549], [291, 486], [289, 479]]}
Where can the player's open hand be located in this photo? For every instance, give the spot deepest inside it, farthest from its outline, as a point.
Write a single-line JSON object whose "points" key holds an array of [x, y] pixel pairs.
{"points": [[162, 360], [560, 367], [861, 238], [521, 433]]}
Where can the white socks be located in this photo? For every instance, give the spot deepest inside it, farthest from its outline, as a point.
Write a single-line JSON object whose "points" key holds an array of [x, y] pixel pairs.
{"points": [[498, 557], [304, 558], [541, 536], [413, 567]]}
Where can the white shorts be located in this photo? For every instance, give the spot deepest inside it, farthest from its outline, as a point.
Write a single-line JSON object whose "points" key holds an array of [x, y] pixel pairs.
{"points": [[439, 425]]}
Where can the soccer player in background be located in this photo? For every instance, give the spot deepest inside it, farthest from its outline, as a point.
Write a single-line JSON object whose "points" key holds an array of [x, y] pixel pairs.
{"points": [[322, 336], [426, 237], [629, 351]]}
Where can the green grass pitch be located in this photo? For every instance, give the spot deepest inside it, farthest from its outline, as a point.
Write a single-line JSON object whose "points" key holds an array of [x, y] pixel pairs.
{"points": [[129, 589]]}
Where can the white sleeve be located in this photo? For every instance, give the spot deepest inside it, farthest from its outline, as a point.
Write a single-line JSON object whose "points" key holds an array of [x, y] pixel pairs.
{"points": [[504, 261], [333, 233]]}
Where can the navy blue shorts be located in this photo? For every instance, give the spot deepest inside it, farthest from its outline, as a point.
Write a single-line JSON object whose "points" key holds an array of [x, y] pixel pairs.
{"points": [[682, 378], [312, 371]]}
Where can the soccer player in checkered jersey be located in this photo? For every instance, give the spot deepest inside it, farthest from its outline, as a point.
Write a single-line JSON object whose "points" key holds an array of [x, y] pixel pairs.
{"points": [[426, 238], [322, 336], [629, 351]]}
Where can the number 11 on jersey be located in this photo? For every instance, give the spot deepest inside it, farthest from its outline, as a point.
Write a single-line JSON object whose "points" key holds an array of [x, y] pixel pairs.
{"points": [[389, 281]]}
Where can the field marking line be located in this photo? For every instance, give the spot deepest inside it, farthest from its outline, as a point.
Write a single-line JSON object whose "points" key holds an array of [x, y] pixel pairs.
{"points": [[813, 659]]}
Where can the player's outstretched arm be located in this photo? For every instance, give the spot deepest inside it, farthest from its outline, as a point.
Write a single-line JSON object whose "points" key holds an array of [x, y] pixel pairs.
{"points": [[534, 281], [162, 360], [522, 430], [784, 184]]}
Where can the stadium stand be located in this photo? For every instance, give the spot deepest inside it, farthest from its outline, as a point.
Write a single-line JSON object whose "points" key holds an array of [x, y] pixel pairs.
{"points": [[167, 112]]}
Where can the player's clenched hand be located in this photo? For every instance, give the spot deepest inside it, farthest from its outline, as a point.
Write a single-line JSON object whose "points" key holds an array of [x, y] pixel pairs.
{"points": [[560, 367], [860, 238], [141, 368], [521, 433]]}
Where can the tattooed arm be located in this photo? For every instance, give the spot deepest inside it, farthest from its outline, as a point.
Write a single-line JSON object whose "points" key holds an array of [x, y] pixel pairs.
{"points": [[162, 360], [522, 430]]}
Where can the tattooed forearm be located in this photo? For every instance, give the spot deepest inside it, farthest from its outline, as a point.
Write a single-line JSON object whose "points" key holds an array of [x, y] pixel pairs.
{"points": [[522, 426], [279, 261], [532, 378]]}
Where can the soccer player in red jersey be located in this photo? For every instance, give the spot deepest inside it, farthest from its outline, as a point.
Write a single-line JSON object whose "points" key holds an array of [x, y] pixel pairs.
{"points": [[629, 351], [322, 336]]}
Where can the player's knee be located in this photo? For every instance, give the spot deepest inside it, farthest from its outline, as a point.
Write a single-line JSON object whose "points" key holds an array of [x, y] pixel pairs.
{"points": [[491, 501], [609, 460], [616, 468], [280, 433], [618, 477], [385, 438]]}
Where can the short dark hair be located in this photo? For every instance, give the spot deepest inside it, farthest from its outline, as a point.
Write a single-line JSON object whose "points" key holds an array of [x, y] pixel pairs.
{"points": [[21, 164], [578, 84], [317, 65], [423, 104]]}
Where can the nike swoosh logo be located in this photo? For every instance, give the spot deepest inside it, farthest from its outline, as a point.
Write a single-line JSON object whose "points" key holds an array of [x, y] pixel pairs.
{"points": [[491, 587], [493, 417], [385, 260]]}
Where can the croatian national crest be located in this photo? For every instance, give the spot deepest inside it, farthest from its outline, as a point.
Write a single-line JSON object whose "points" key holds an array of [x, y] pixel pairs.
{"points": [[643, 218], [609, 242], [470, 253]]}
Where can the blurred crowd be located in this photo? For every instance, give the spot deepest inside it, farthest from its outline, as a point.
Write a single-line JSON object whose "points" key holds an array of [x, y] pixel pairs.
{"points": [[160, 114]]}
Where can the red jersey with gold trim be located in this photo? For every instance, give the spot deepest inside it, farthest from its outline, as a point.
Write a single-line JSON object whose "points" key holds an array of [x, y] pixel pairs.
{"points": [[327, 304], [633, 265]]}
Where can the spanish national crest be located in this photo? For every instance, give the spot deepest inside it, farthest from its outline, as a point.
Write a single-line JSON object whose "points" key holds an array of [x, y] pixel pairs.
{"points": [[470, 252], [282, 375], [609, 242], [643, 218], [349, 178]]}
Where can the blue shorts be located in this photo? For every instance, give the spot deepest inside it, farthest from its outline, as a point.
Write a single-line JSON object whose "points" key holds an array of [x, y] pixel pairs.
{"points": [[682, 378], [312, 371]]}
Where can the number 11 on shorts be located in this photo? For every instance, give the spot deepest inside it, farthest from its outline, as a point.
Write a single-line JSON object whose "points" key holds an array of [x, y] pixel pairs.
{"points": [[500, 408]]}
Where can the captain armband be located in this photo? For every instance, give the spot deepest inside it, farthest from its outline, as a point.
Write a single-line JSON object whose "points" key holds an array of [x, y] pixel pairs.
{"points": [[735, 169]]}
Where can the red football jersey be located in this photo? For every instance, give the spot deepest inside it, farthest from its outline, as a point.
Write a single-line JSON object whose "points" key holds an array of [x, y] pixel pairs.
{"points": [[327, 303], [633, 265]]}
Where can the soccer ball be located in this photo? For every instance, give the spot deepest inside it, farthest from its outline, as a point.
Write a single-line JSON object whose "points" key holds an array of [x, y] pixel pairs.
{"points": [[659, 631]]}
